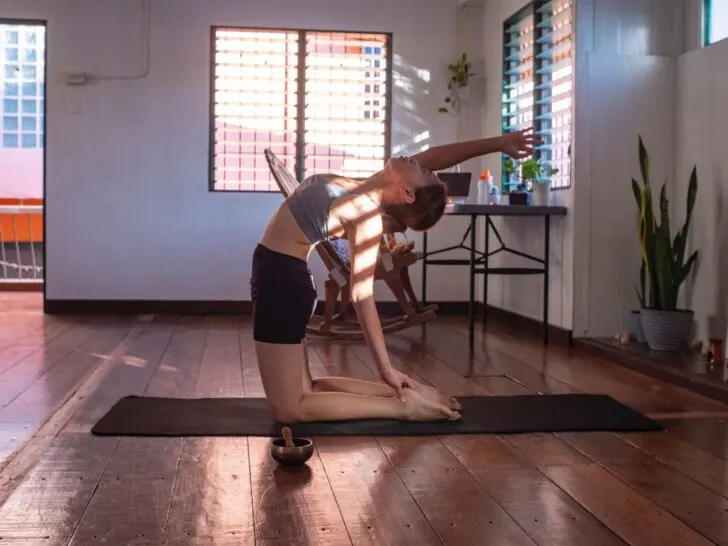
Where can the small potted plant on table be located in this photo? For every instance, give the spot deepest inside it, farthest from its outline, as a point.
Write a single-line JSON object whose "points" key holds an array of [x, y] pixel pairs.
{"points": [[535, 173], [538, 173]]}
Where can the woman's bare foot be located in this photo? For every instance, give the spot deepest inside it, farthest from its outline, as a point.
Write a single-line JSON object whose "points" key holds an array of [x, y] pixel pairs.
{"points": [[419, 408], [431, 393]]}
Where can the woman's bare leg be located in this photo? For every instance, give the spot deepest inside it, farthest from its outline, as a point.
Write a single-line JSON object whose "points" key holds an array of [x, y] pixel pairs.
{"points": [[373, 388], [284, 376]]}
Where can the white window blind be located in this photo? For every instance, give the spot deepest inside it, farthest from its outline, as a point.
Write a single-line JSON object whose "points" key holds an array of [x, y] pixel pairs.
{"points": [[319, 100]]}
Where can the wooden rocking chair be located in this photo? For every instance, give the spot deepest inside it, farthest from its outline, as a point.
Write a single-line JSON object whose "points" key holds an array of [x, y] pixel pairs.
{"points": [[392, 268]]}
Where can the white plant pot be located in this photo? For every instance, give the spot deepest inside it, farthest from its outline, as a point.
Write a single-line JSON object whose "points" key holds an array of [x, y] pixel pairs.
{"points": [[463, 94], [635, 326], [541, 194]]}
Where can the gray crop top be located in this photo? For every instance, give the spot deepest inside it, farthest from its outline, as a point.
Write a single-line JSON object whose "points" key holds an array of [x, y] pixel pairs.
{"points": [[310, 204]]}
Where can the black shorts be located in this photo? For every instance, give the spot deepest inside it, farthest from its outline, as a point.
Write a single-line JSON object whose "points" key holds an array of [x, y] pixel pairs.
{"points": [[284, 297]]}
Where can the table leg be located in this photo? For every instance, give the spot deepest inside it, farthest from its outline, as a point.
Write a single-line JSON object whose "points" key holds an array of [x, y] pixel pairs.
{"points": [[547, 252], [471, 307], [424, 268], [485, 273]]}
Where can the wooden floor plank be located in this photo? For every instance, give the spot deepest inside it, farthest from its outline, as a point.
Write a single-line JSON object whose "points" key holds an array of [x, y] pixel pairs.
{"points": [[424, 339], [135, 485], [377, 475], [709, 435], [502, 362], [62, 482], [212, 495], [29, 330], [147, 466], [305, 498], [590, 375], [558, 362], [375, 504], [694, 504], [628, 513], [25, 413], [541, 508], [589, 488], [703, 467], [34, 364], [432, 474]]}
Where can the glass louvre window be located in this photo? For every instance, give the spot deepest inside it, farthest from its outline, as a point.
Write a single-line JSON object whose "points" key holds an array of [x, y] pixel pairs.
{"points": [[22, 86], [716, 21], [518, 73], [538, 40], [319, 100]]}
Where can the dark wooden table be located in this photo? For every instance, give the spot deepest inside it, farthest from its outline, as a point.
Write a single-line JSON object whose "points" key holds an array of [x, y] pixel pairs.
{"points": [[478, 261]]}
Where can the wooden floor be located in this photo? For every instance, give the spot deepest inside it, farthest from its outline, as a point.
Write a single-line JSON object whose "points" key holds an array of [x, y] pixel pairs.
{"points": [[60, 485]]}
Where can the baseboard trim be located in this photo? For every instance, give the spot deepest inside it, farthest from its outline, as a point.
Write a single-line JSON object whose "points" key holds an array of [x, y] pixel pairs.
{"points": [[508, 319], [526, 325], [193, 307], [19, 286], [649, 366]]}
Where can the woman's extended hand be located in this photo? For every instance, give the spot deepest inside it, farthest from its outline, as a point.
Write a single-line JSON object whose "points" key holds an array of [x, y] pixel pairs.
{"points": [[520, 144], [397, 380]]}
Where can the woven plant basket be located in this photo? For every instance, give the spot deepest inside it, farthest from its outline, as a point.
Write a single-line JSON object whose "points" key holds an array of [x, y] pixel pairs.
{"points": [[666, 331]]}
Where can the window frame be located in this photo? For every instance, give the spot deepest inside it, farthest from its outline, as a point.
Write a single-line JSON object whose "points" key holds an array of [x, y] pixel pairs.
{"points": [[39, 97], [706, 20], [535, 10], [300, 117]]}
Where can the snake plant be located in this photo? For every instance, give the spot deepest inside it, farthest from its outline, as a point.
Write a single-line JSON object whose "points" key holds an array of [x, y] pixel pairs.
{"points": [[663, 258]]}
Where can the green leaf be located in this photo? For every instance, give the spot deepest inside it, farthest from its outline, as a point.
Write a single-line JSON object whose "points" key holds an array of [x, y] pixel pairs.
{"points": [[644, 162], [637, 193], [649, 238], [689, 264], [665, 215], [663, 267], [641, 289]]}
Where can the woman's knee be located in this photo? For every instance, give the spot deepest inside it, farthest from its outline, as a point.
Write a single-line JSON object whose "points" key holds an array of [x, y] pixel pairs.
{"points": [[321, 384], [288, 412]]}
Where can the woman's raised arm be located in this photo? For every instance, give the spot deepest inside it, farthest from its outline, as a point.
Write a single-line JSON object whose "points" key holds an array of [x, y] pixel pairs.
{"points": [[518, 144]]}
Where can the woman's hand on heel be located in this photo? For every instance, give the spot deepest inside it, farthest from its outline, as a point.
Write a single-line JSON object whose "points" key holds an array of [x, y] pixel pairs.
{"points": [[397, 380]]}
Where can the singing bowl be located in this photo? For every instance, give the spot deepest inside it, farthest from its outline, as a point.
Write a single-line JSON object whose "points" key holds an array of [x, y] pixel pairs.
{"points": [[291, 456]]}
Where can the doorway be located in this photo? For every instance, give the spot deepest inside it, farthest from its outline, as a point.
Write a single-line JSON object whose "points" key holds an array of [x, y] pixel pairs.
{"points": [[22, 154]]}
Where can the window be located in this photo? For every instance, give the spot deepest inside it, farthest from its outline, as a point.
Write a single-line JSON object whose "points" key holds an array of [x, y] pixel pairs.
{"points": [[318, 100], [23, 86], [715, 20], [537, 81]]}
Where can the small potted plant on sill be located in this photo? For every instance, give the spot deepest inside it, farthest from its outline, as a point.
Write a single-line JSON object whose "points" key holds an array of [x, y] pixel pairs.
{"points": [[665, 325], [458, 86]]}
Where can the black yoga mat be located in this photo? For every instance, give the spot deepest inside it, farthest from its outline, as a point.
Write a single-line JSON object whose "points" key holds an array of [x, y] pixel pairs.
{"points": [[151, 416]]}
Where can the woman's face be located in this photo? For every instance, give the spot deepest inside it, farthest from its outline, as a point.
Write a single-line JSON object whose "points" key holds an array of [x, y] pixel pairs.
{"points": [[406, 176]]}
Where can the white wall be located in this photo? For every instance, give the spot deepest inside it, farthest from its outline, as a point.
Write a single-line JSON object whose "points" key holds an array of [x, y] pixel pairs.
{"points": [[128, 209], [625, 87], [522, 294], [702, 116]]}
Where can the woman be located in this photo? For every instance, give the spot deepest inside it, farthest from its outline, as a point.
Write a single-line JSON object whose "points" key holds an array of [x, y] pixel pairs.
{"points": [[284, 295]]}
